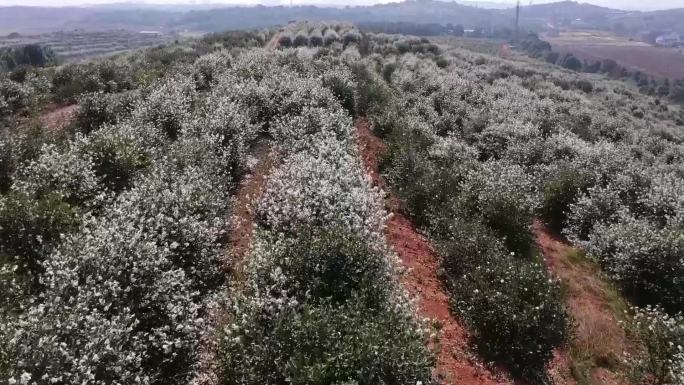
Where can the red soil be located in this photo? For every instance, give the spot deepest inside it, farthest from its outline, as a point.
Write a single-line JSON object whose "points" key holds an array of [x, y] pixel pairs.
{"points": [[598, 333], [274, 43], [242, 218], [56, 118], [456, 364], [240, 237]]}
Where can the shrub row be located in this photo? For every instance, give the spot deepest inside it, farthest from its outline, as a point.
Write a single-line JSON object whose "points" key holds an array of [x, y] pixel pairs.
{"points": [[319, 303], [121, 229], [479, 215]]}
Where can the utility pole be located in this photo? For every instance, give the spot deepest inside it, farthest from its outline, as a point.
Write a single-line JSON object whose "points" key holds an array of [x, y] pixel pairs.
{"points": [[517, 21]]}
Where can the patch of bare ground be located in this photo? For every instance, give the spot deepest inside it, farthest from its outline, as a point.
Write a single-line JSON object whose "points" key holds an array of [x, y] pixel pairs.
{"points": [[594, 356], [456, 363], [233, 261], [56, 118], [242, 216], [274, 43]]}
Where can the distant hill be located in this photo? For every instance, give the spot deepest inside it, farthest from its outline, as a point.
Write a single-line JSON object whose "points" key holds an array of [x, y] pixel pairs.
{"points": [[571, 9], [424, 11], [207, 18], [39, 19]]}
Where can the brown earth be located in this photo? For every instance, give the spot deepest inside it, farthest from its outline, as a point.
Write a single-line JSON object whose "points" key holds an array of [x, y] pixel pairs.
{"points": [[242, 216], [657, 61], [55, 118], [274, 43], [233, 261], [456, 363], [594, 355]]}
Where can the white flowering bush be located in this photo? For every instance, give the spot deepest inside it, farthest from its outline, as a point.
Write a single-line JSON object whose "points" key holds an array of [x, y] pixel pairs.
{"points": [[96, 110], [326, 187], [660, 360], [207, 69], [110, 236], [320, 306], [318, 267], [342, 83], [227, 123], [13, 97], [647, 261], [449, 161], [124, 296], [110, 76], [167, 106]]}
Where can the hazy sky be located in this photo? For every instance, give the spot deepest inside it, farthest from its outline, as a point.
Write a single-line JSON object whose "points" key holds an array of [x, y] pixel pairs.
{"points": [[622, 4]]}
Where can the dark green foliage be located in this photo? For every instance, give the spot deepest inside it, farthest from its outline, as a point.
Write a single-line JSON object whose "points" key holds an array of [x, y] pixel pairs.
{"points": [[344, 92], [535, 47], [327, 344], [559, 193], [372, 94], [646, 261], [515, 311], [74, 80], [571, 62], [235, 39], [98, 109], [333, 265], [31, 55], [7, 165], [30, 227], [116, 161], [517, 317], [441, 62], [551, 57], [337, 323], [584, 85]]}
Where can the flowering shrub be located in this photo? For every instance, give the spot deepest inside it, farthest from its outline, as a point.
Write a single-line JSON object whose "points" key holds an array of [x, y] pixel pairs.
{"points": [[660, 362], [318, 306], [207, 69], [117, 157], [647, 261], [342, 84], [110, 237], [559, 193], [72, 80], [96, 110], [456, 181], [124, 296], [167, 106], [512, 307], [325, 187], [317, 309], [13, 97]]}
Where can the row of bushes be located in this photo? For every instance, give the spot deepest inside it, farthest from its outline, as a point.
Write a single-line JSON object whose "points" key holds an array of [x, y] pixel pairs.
{"points": [[317, 35], [121, 229], [319, 304], [125, 222], [594, 161], [477, 152], [479, 216]]}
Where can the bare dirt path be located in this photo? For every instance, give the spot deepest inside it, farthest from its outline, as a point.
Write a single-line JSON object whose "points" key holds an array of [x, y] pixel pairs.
{"points": [[56, 118], [456, 363], [242, 215], [274, 43], [594, 355], [233, 261]]}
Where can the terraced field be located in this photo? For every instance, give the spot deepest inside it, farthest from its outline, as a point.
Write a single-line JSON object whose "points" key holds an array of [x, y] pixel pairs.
{"points": [[79, 45]]}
